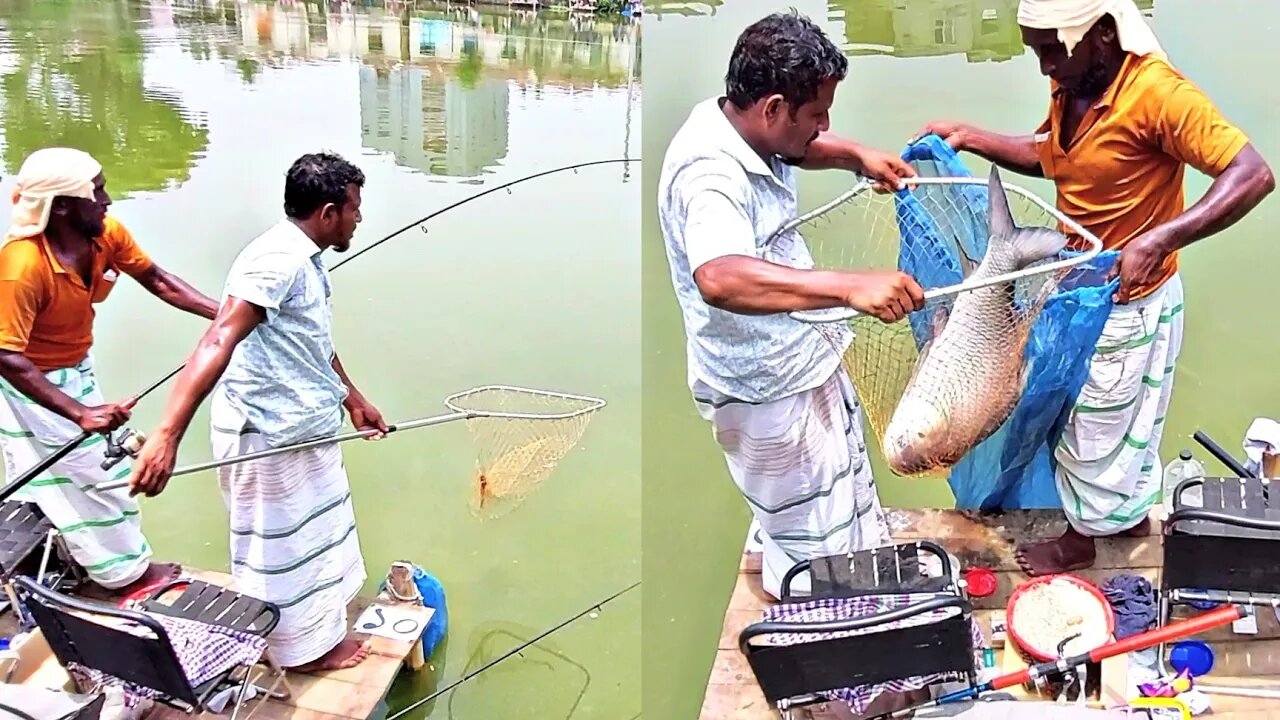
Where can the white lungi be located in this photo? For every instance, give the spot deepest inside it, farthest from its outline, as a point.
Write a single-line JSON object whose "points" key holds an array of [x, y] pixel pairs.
{"points": [[102, 530], [293, 536], [1109, 470], [802, 466]]}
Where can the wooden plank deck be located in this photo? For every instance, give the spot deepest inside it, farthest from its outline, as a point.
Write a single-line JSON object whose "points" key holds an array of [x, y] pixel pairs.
{"points": [[350, 694], [990, 541]]}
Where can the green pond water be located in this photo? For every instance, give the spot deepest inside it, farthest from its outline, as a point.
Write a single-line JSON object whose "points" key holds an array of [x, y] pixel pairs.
{"points": [[197, 108], [912, 62]]}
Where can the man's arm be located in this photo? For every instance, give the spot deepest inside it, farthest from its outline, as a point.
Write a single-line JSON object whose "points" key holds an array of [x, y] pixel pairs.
{"points": [[364, 416], [131, 259], [751, 286], [176, 292], [1016, 153], [1188, 126], [720, 245], [206, 364], [155, 461], [27, 379], [20, 303], [832, 152], [1236, 191]]}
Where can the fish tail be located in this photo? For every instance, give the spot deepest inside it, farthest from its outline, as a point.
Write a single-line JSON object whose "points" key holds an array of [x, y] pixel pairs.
{"points": [[1022, 246]]}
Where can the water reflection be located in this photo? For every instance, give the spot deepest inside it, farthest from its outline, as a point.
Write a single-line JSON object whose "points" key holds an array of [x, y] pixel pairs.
{"points": [[436, 86], [981, 30], [73, 76]]}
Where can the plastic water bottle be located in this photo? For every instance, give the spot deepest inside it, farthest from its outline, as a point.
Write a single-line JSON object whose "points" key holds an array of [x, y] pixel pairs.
{"points": [[1177, 471]]}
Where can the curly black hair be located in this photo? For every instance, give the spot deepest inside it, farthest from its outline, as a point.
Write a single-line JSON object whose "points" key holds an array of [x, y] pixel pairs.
{"points": [[315, 179], [786, 54]]}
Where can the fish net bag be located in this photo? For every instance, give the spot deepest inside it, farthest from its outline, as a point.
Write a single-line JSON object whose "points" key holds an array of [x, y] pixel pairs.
{"points": [[520, 436], [936, 230]]}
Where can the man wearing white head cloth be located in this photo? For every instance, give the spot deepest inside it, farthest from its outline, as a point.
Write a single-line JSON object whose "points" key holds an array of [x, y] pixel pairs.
{"points": [[1122, 127], [61, 256]]}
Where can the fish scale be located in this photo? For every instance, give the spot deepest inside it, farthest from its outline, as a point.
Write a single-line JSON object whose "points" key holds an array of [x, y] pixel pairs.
{"points": [[971, 374]]}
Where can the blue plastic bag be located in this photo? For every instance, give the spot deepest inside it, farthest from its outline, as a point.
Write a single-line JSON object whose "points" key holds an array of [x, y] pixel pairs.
{"points": [[432, 591], [1012, 469]]}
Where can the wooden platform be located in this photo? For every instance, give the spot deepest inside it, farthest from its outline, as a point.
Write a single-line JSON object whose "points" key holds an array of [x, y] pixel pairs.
{"points": [[350, 694], [990, 541]]}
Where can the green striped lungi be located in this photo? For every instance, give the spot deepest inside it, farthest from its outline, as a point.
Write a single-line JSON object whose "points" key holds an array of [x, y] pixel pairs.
{"points": [[102, 530], [1109, 470]]}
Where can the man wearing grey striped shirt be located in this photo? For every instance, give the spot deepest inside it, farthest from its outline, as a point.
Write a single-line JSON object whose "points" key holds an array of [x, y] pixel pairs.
{"points": [[780, 404], [276, 381]]}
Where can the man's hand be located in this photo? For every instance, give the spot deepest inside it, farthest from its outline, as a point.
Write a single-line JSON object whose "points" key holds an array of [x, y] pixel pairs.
{"points": [[103, 418], [1140, 262], [154, 466], [364, 416], [887, 294], [953, 133], [886, 169]]}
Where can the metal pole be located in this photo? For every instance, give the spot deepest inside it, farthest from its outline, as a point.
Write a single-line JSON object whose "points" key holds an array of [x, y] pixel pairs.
{"points": [[200, 467]]}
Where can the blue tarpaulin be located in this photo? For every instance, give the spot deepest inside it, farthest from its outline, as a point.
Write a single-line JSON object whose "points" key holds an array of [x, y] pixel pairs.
{"points": [[1012, 469]]}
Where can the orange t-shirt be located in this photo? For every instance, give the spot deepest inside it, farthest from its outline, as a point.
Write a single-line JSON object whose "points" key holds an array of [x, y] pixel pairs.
{"points": [[46, 312], [1122, 173]]}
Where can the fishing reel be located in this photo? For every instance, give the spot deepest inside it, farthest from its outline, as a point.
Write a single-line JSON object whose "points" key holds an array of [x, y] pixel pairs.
{"points": [[127, 444]]}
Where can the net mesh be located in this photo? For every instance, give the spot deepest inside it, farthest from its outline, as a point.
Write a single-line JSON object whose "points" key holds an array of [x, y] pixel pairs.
{"points": [[520, 436], [934, 387]]}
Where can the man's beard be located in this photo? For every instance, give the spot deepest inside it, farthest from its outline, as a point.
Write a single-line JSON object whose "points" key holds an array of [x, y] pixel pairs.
{"points": [[1095, 80]]}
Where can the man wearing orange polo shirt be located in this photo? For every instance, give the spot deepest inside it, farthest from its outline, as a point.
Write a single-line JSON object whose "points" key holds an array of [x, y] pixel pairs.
{"points": [[61, 256], [1122, 127]]}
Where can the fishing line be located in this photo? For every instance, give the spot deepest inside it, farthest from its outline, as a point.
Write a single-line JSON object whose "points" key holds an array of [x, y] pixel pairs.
{"points": [[16, 484], [513, 651]]}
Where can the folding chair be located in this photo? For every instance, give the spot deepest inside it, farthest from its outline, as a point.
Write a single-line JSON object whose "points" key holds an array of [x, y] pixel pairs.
{"points": [[919, 630], [1223, 550], [31, 545], [135, 646]]}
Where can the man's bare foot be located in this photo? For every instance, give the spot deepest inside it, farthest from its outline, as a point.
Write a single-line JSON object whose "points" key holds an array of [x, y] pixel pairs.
{"points": [[347, 653], [156, 574], [1072, 551]]}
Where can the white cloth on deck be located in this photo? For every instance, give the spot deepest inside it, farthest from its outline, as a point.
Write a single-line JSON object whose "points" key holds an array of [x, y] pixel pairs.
{"points": [[1109, 470], [45, 174], [801, 464], [1262, 437], [293, 534], [1073, 18], [102, 530]]}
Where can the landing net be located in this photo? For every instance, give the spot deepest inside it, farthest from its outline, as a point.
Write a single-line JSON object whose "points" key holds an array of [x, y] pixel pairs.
{"points": [[520, 436], [937, 231]]}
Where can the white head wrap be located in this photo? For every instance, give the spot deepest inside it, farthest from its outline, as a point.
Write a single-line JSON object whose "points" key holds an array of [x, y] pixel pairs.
{"points": [[46, 174], [1073, 18]]}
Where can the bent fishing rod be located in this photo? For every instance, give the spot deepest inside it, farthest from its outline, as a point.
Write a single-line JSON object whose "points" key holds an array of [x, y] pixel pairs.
{"points": [[515, 650], [19, 482]]}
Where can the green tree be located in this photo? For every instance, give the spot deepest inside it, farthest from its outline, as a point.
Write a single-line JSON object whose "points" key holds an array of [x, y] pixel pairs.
{"points": [[78, 83]]}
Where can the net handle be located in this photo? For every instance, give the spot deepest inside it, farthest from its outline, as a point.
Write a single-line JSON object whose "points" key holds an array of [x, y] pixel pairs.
{"points": [[592, 403], [864, 185]]}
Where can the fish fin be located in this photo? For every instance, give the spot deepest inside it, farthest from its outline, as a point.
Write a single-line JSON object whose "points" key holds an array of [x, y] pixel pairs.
{"points": [[1026, 245], [999, 216], [937, 321]]}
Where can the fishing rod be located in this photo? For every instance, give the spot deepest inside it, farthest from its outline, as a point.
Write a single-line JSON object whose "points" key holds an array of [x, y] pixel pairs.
{"points": [[537, 638], [114, 451], [1224, 615]]}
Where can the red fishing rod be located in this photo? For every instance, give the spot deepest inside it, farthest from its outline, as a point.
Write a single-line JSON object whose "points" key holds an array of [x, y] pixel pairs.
{"points": [[1224, 615]]}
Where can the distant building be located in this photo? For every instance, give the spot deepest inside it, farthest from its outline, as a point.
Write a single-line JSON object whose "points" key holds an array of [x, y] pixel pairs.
{"points": [[434, 124]]}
